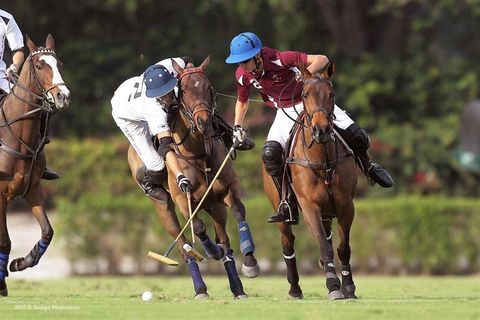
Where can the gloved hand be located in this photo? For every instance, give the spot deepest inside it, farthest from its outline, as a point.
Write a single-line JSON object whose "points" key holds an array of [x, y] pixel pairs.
{"points": [[184, 183], [239, 135], [11, 70]]}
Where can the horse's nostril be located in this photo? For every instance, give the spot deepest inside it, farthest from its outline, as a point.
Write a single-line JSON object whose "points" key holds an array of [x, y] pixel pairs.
{"points": [[60, 96]]}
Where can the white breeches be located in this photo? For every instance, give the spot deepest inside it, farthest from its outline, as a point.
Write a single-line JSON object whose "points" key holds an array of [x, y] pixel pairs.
{"points": [[282, 124], [4, 85], [141, 140]]}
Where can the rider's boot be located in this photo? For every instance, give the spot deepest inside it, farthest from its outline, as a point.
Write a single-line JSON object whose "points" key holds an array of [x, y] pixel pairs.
{"points": [[272, 156], [50, 174], [47, 173], [151, 183], [374, 172]]}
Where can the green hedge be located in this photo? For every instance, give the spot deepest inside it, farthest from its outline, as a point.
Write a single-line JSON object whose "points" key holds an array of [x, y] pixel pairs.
{"points": [[104, 217]]}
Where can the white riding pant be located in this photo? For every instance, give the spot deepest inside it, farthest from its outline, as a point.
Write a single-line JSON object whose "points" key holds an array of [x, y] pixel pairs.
{"points": [[4, 84], [282, 124], [140, 138]]}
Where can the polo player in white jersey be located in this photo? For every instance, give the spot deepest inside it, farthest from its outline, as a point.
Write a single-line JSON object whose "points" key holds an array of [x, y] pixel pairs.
{"points": [[139, 109]]}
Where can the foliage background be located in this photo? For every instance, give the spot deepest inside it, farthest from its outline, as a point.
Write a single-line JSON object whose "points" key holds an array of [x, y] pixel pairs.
{"points": [[405, 69]]}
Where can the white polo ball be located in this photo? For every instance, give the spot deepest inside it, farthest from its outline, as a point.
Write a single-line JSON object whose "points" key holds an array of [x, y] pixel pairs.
{"points": [[147, 296]]}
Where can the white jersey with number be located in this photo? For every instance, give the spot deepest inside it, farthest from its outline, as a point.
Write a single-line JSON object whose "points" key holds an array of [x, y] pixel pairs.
{"points": [[9, 34], [140, 117]]}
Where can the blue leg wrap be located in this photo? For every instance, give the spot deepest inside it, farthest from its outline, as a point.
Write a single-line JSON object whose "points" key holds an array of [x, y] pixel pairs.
{"points": [[246, 241], [41, 248], [212, 250], [3, 266], [198, 284], [235, 283]]}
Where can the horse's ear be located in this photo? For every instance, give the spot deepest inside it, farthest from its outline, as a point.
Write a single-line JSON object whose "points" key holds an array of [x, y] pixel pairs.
{"points": [[50, 42], [329, 70], [205, 63], [177, 68], [31, 46], [304, 72]]}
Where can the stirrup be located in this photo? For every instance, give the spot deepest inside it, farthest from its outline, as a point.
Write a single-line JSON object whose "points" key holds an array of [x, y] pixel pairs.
{"points": [[280, 216]]}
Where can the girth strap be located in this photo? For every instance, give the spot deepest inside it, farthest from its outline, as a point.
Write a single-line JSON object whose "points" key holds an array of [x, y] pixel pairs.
{"points": [[15, 153]]}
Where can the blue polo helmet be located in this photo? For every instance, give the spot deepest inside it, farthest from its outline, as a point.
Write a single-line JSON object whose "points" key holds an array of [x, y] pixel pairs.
{"points": [[158, 81], [244, 47]]}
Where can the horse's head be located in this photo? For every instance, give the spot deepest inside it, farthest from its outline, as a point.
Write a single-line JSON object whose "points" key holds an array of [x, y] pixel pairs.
{"points": [[196, 95], [44, 67], [319, 101]]}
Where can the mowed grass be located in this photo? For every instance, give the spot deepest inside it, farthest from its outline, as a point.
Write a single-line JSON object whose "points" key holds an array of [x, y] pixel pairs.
{"points": [[119, 298]]}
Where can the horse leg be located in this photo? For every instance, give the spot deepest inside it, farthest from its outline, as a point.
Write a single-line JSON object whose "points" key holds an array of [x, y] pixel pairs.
{"points": [[34, 197], [250, 268], [219, 215], [5, 246], [166, 213], [288, 241], [344, 253], [313, 219]]}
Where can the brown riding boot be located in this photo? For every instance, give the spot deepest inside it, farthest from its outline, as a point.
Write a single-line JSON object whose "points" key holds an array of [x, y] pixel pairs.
{"points": [[152, 183]]}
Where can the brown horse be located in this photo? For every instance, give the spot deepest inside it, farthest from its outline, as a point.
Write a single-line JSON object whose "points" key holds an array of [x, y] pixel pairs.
{"points": [[37, 94], [200, 152], [323, 176]]}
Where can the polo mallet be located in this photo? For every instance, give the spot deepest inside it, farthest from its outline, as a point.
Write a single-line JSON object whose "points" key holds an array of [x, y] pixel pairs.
{"points": [[189, 200], [187, 247]]}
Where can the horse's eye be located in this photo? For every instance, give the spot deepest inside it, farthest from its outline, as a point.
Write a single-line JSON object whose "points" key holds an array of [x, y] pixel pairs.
{"points": [[38, 66]]}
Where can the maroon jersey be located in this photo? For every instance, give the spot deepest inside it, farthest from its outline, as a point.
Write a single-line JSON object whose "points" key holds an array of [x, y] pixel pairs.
{"points": [[278, 84]]}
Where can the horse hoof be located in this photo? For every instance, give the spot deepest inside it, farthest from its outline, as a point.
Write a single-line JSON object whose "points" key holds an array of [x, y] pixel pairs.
{"points": [[349, 292], [296, 297], [202, 296], [335, 295], [15, 265], [4, 290], [251, 272], [241, 297]]}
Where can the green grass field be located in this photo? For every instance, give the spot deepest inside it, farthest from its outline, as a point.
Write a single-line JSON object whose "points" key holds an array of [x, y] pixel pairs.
{"points": [[119, 298]]}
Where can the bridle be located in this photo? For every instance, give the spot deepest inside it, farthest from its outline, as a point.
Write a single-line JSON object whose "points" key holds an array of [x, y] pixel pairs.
{"points": [[46, 98], [198, 105], [328, 114]]}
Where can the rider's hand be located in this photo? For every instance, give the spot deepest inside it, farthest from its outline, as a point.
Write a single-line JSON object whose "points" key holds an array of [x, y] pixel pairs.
{"points": [[184, 183], [239, 135], [12, 69]]}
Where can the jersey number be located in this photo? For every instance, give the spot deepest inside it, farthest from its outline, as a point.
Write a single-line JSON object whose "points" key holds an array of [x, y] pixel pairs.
{"points": [[138, 91]]}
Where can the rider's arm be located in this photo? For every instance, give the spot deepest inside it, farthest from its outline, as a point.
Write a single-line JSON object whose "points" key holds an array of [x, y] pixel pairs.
{"points": [[241, 109], [18, 58], [170, 157], [316, 62]]}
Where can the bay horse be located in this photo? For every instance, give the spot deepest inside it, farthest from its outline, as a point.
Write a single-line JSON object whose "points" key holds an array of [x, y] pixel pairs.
{"points": [[323, 177], [37, 94], [200, 153]]}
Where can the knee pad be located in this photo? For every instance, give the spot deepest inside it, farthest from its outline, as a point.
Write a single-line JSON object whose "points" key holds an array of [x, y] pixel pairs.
{"points": [[272, 156], [360, 135]]}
